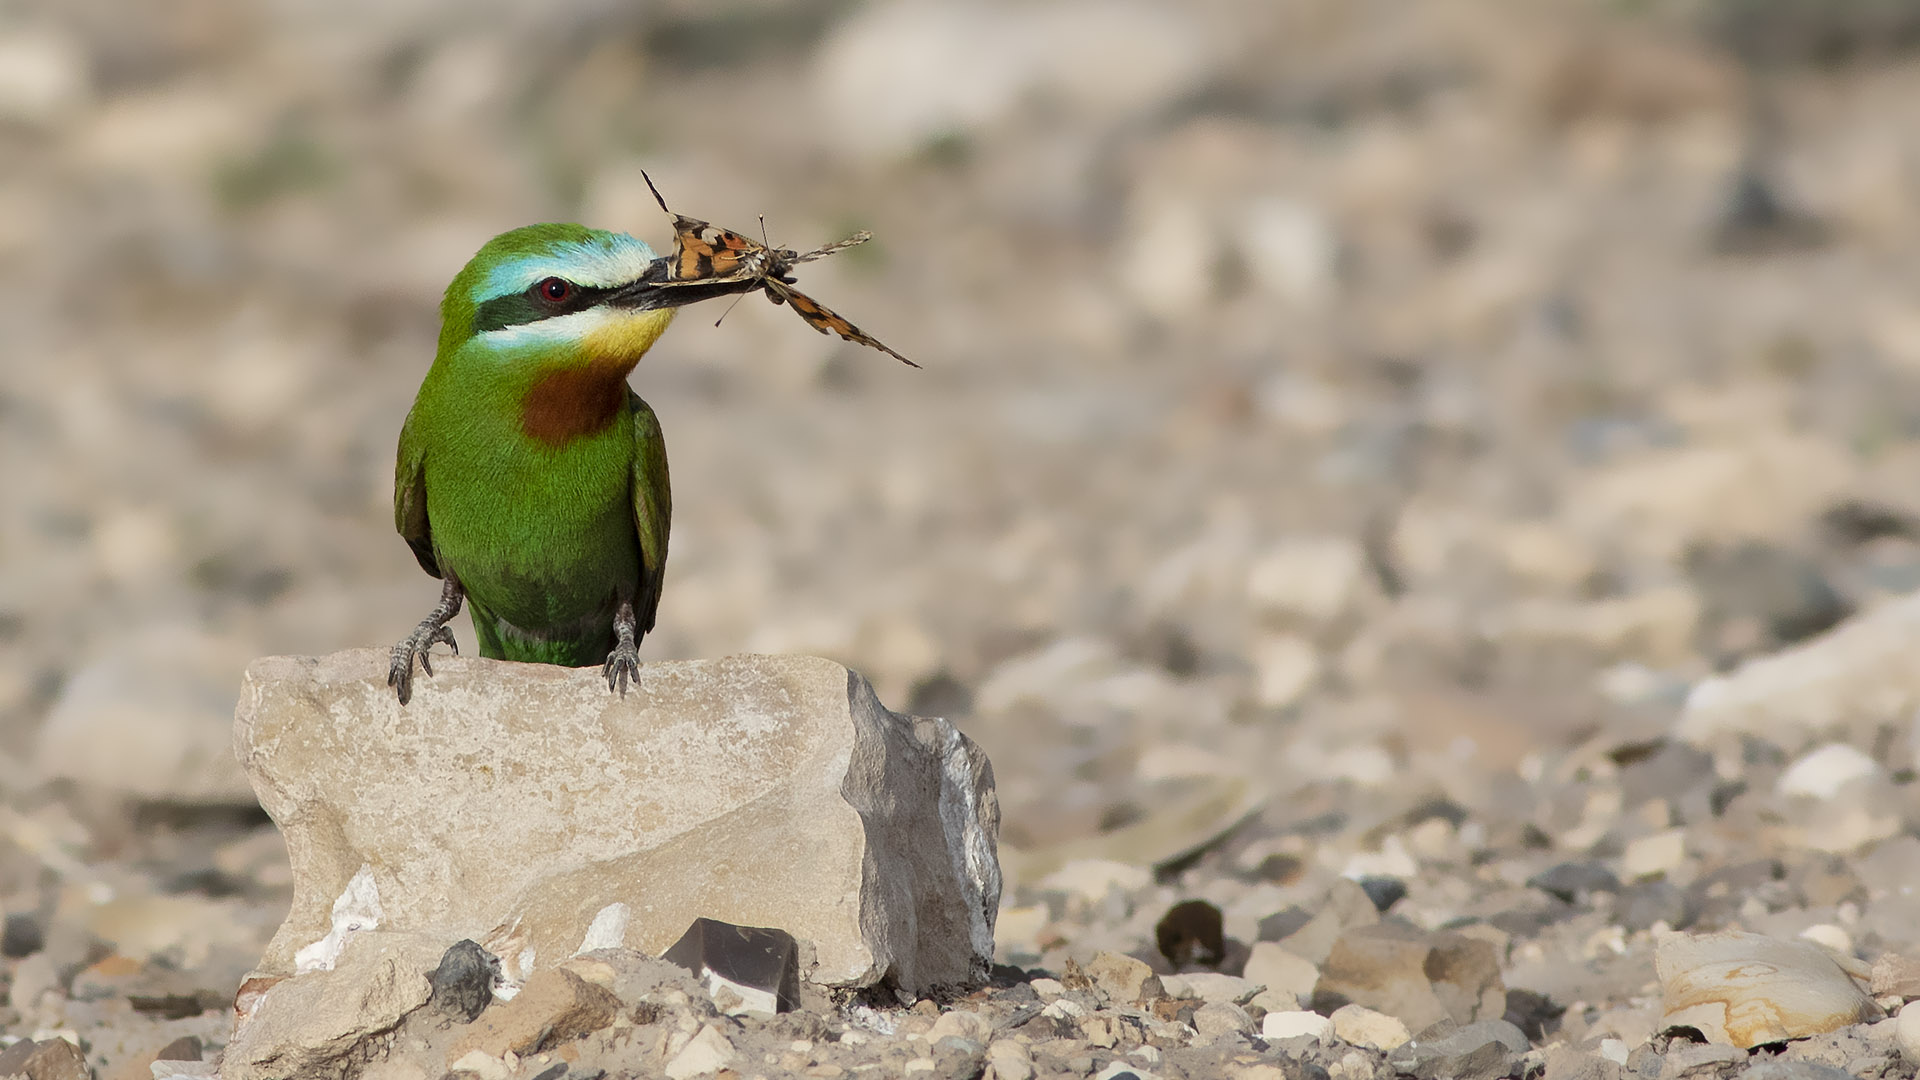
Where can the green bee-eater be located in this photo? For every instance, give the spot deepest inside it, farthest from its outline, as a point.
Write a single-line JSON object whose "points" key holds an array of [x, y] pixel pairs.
{"points": [[530, 478]]}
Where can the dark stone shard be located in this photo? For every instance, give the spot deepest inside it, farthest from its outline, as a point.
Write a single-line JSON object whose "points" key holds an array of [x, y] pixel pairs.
{"points": [[1757, 219], [1531, 922], [1757, 597], [1383, 891], [171, 1006], [1007, 977], [759, 957], [21, 936], [558, 1070], [1278, 869], [1281, 924], [13, 1060], [1191, 933], [463, 983], [1533, 1013], [1853, 522], [184, 1048], [1574, 882], [942, 695]]}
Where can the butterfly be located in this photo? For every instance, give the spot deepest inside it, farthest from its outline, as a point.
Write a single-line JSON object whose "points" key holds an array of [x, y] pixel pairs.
{"points": [[707, 254]]}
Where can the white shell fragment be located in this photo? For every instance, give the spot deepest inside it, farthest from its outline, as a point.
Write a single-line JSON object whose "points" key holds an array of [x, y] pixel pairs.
{"points": [[1747, 989]]}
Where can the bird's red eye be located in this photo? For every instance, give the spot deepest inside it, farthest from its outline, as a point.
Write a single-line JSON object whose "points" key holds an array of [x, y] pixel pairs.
{"points": [[556, 289]]}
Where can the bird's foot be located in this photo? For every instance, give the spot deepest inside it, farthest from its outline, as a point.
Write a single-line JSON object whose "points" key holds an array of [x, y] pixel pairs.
{"points": [[623, 663], [419, 644], [623, 666]]}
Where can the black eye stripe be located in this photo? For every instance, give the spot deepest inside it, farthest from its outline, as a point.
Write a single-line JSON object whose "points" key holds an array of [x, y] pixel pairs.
{"points": [[529, 306]]}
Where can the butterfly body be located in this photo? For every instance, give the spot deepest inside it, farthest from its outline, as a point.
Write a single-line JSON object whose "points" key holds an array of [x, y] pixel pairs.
{"points": [[706, 254]]}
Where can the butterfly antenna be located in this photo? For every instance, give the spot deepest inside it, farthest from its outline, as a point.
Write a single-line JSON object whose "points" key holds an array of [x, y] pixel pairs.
{"points": [[764, 242], [729, 311], [656, 192]]}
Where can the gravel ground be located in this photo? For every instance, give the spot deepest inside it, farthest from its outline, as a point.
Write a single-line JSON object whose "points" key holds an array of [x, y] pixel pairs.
{"points": [[1463, 447]]}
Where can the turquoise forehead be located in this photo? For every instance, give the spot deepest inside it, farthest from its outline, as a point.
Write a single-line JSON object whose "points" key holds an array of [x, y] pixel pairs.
{"points": [[602, 260]]}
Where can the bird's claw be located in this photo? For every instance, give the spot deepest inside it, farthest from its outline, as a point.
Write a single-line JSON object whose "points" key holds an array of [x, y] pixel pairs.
{"points": [[623, 665], [418, 644]]}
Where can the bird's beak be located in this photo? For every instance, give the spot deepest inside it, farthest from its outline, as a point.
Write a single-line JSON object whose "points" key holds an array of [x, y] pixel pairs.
{"points": [[653, 291]]}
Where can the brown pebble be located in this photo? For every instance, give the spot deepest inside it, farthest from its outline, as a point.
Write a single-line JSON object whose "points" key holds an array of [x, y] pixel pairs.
{"points": [[1191, 932]]}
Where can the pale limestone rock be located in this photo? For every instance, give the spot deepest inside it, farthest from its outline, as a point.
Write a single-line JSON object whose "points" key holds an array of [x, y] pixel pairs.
{"points": [[1656, 853], [513, 804], [1906, 1033], [43, 76], [961, 1023], [1315, 579], [1827, 771], [1293, 1024], [1273, 967], [897, 76], [1897, 973], [311, 1025], [1286, 667], [1009, 1060], [1852, 681], [1745, 989], [1210, 986], [1419, 977], [705, 1054], [1124, 979], [556, 1005], [1217, 1019], [1363, 1027]]}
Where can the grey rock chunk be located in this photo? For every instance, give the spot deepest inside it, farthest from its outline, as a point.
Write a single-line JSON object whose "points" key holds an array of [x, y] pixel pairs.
{"points": [[1383, 891], [1575, 882], [1794, 1070], [759, 790], [761, 966], [463, 983], [1479, 1051], [1846, 682]]}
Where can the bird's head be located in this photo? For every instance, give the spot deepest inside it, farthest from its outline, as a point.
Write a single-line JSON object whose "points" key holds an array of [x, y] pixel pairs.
{"points": [[559, 293]]}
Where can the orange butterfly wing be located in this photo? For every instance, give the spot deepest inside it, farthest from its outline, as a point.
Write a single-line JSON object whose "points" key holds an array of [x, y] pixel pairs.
{"points": [[825, 320]]}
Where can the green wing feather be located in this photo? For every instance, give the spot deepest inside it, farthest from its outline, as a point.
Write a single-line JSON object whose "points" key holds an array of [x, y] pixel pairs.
{"points": [[410, 497], [652, 508]]}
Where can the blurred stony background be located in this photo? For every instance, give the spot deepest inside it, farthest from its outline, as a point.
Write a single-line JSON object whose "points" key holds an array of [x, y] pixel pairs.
{"points": [[1351, 431]]}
